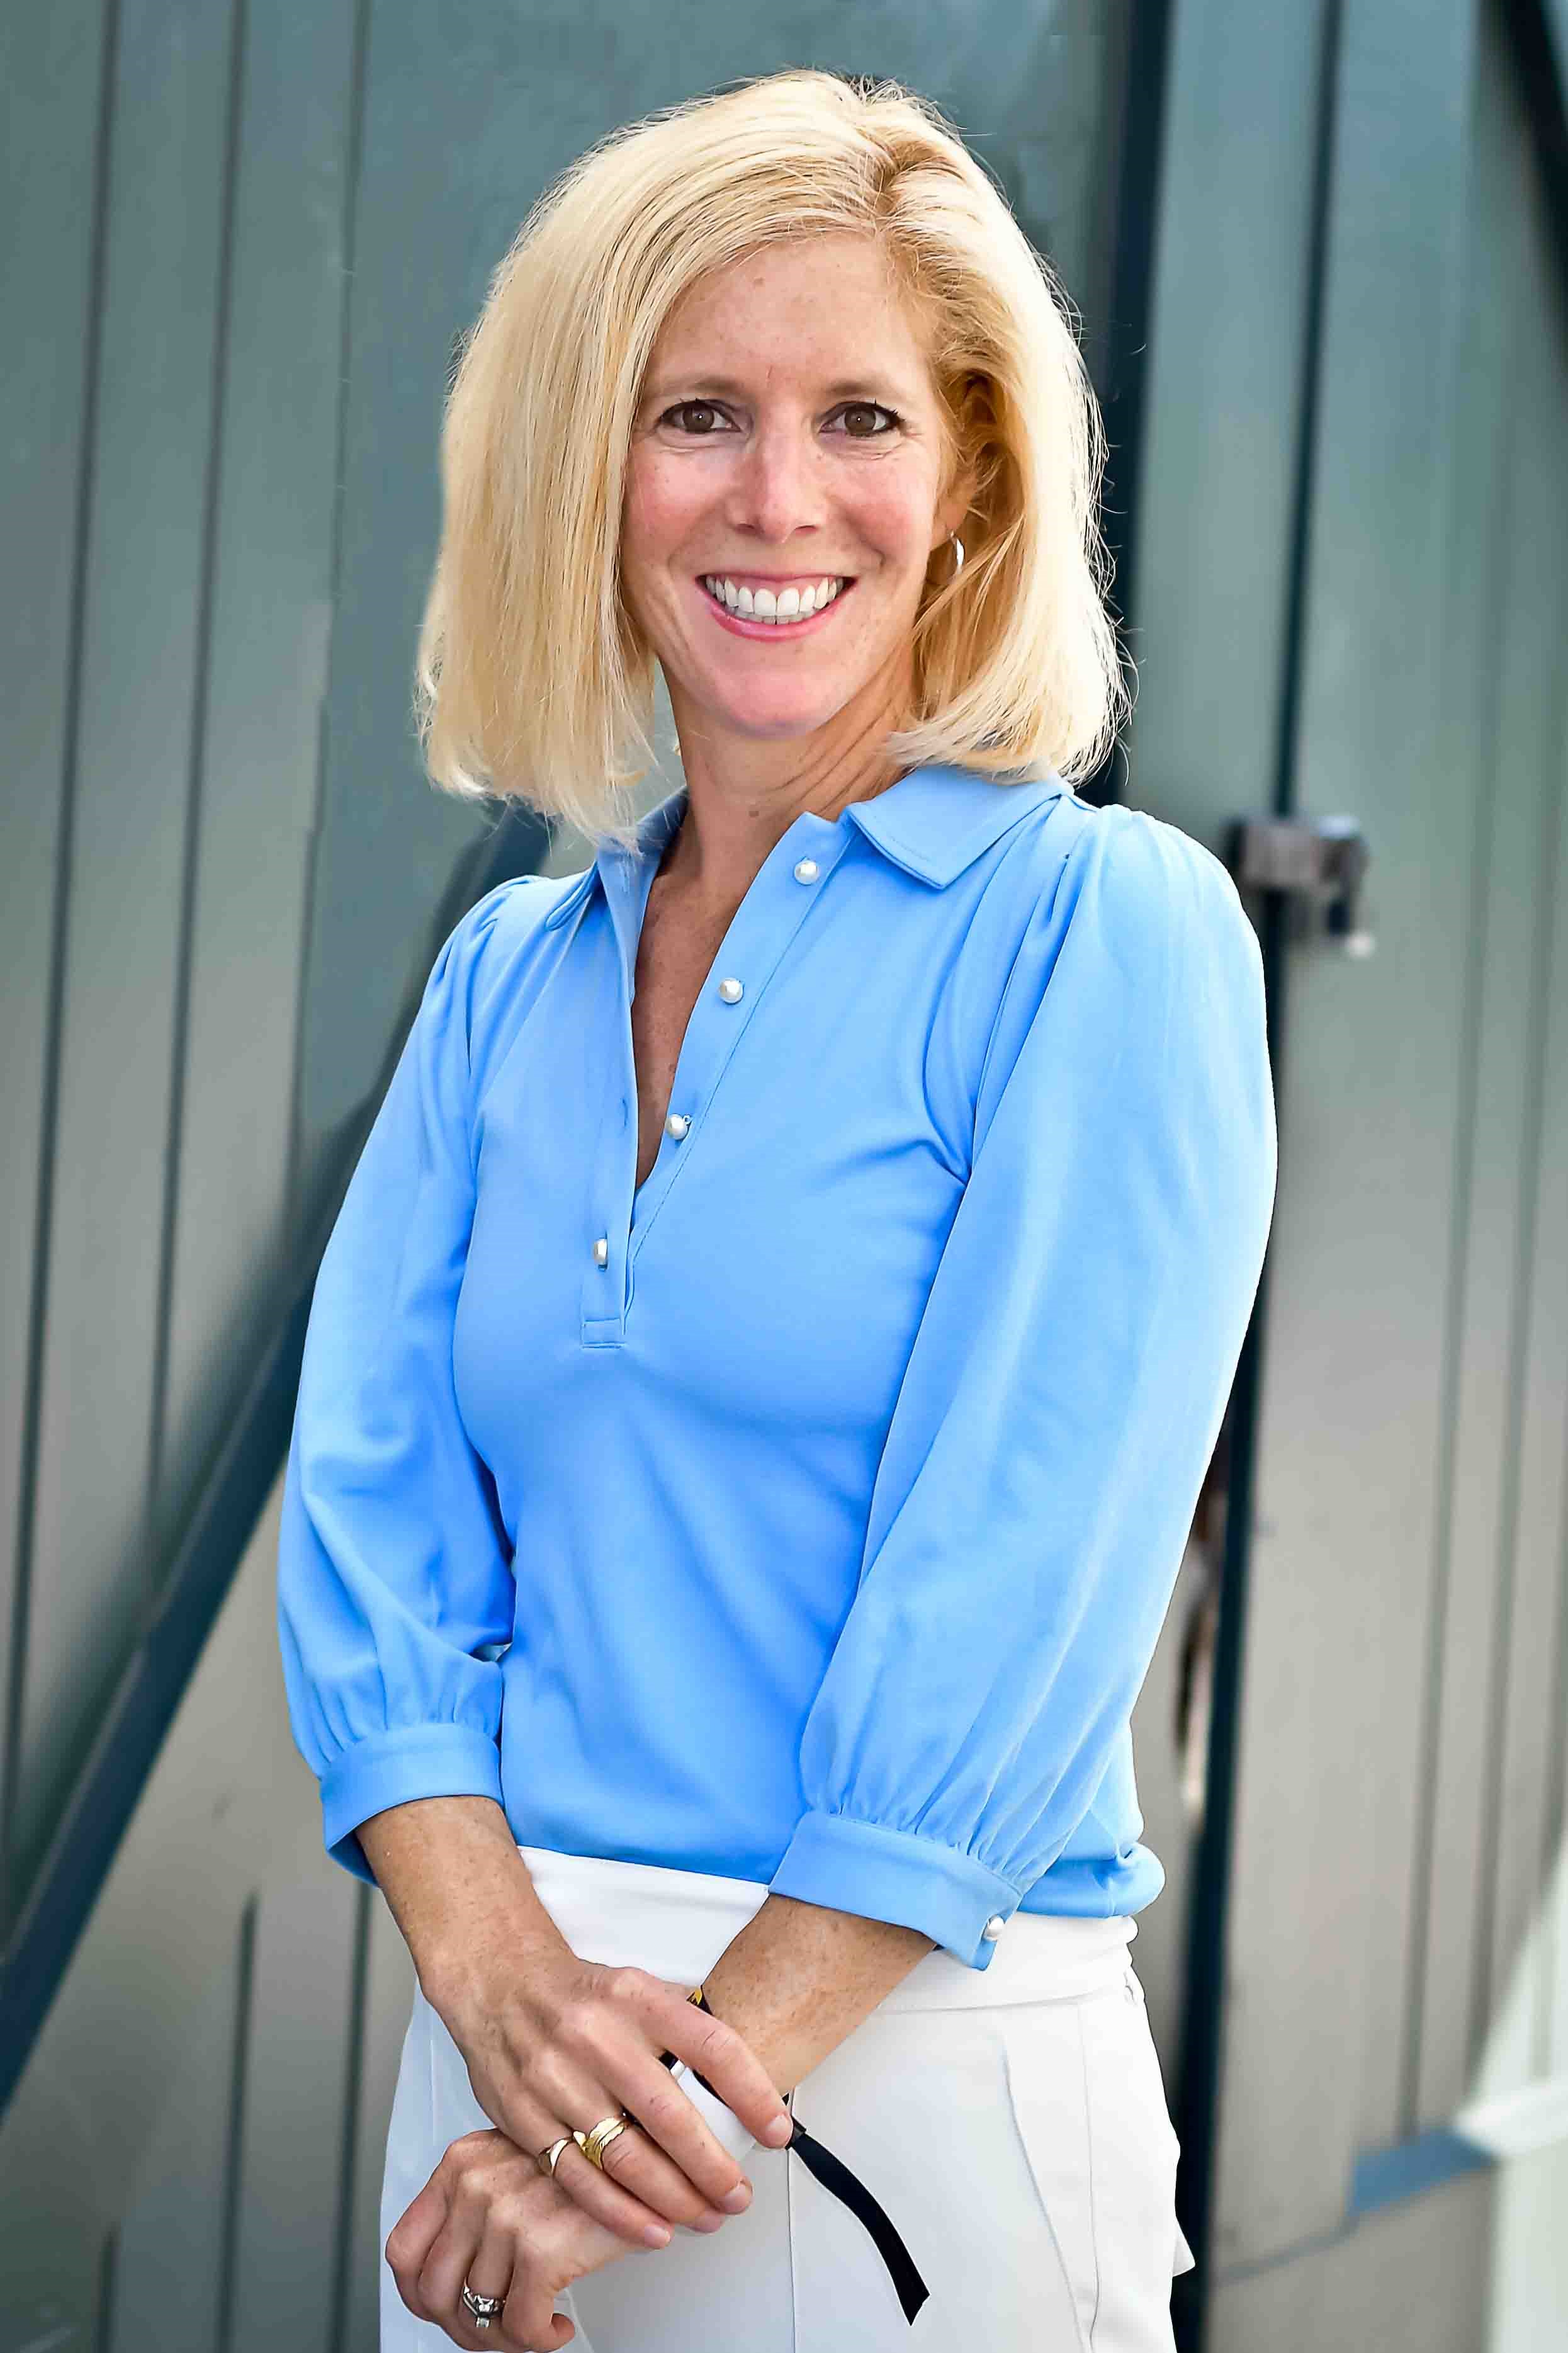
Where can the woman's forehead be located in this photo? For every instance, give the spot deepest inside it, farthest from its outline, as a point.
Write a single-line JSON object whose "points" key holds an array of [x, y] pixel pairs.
{"points": [[836, 291]]}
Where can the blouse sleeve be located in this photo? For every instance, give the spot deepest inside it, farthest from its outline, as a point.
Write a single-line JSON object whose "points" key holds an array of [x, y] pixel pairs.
{"points": [[394, 1572], [1060, 1403]]}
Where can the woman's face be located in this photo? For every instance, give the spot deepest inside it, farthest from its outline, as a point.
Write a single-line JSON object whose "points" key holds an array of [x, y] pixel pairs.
{"points": [[787, 445]]}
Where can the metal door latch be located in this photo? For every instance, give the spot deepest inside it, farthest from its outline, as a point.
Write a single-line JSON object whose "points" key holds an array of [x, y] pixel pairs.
{"points": [[1320, 861]]}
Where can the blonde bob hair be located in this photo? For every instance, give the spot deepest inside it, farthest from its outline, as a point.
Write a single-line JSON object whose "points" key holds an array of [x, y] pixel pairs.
{"points": [[533, 679]]}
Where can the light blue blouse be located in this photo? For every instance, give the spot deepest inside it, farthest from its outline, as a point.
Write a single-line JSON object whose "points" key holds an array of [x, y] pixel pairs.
{"points": [[807, 1513]]}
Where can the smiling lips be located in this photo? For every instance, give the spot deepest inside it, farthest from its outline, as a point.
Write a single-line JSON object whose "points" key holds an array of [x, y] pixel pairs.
{"points": [[769, 609]]}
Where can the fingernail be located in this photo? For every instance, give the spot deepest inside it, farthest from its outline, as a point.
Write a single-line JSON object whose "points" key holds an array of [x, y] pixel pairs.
{"points": [[779, 2131], [656, 2235], [738, 2200]]}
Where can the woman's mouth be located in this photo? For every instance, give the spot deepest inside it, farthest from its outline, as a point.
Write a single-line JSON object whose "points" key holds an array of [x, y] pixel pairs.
{"points": [[756, 611]]}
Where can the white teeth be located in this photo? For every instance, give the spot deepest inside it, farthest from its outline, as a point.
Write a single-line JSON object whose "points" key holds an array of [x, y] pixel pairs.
{"points": [[763, 605]]}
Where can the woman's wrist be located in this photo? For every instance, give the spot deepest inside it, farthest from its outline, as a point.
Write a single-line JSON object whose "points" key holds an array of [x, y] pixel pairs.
{"points": [[800, 1977], [461, 1895]]}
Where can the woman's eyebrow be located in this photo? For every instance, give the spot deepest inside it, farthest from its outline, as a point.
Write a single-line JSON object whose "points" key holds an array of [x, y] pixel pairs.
{"points": [[724, 387]]}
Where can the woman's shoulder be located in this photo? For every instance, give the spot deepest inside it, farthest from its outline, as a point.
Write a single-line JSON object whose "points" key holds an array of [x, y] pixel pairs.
{"points": [[512, 919], [496, 954], [1122, 862]]}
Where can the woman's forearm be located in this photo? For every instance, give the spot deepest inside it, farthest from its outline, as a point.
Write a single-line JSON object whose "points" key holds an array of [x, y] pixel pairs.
{"points": [[800, 1977], [461, 1894], [795, 1980]]}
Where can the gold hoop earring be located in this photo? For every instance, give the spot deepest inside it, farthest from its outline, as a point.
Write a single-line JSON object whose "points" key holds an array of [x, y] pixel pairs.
{"points": [[957, 554]]}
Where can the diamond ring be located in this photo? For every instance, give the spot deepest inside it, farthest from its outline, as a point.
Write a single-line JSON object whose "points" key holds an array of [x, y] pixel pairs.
{"points": [[482, 2309]]}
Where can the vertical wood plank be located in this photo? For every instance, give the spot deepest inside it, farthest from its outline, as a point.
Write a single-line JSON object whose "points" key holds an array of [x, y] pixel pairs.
{"points": [[1525, 1736], [1474, 1468], [290, 2163], [124, 915], [53, 64], [261, 716], [169, 2281], [1217, 472], [1554, 1860], [389, 1995]]}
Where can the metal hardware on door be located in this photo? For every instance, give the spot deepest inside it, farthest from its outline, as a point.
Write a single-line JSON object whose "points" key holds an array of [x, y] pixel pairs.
{"points": [[1322, 859]]}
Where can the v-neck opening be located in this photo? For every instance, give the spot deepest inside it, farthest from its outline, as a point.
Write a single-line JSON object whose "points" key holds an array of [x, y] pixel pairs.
{"points": [[642, 871]]}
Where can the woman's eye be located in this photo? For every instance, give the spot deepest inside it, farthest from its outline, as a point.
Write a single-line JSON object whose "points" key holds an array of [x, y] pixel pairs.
{"points": [[698, 417], [860, 417]]}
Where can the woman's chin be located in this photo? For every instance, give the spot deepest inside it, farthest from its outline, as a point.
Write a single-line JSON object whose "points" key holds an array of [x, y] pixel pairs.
{"points": [[775, 718]]}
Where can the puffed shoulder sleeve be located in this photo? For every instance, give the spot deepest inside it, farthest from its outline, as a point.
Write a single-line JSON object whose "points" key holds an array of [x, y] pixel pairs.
{"points": [[1061, 1401], [394, 1572]]}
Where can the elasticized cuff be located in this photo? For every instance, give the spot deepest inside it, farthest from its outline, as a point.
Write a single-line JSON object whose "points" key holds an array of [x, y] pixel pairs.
{"points": [[854, 1866], [388, 1769]]}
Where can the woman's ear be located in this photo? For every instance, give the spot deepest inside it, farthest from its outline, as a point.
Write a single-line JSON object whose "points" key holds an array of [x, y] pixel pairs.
{"points": [[954, 507], [957, 497]]}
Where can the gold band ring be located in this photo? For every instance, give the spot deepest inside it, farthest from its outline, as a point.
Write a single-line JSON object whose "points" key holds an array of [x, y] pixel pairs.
{"points": [[594, 2143], [604, 2133]]}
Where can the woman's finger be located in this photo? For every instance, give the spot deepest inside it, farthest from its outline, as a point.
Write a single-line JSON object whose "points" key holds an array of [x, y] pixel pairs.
{"points": [[530, 2317], [615, 2038], [490, 2275], [670, 2022], [413, 2235], [666, 2159], [475, 2170], [672, 2120], [639, 2189], [440, 2284], [504, 2232]]}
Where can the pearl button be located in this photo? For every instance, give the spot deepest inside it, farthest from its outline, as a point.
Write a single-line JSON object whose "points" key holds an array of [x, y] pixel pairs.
{"points": [[602, 1251], [731, 991], [676, 1124], [993, 1927], [806, 870]]}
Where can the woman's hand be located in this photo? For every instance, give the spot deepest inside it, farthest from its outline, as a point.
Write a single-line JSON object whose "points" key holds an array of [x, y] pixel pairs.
{"points": [[564, 2042], [553, 2044], [488, 2217]]}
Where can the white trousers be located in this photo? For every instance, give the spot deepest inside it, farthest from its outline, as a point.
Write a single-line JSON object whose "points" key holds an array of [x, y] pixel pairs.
{"points": [[1010, 2120]]}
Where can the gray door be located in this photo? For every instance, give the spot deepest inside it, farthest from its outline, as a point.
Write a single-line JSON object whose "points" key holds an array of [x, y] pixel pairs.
{"points": [[1353, 590]]}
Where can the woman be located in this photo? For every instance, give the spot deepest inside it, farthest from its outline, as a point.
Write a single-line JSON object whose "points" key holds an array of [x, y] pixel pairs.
{"points": [[762, 1375]]}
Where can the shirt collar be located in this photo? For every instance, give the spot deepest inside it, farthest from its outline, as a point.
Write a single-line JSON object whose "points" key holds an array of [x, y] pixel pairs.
{"points": [[937, 820], [933, 822]]}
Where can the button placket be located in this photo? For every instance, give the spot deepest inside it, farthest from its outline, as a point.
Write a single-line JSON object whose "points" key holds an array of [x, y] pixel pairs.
{"points": [[606, 1291], [759, 933]]}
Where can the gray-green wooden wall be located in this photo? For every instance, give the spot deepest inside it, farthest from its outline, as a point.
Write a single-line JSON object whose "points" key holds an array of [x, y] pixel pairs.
{"points": [[240, 239], [246, 241]]}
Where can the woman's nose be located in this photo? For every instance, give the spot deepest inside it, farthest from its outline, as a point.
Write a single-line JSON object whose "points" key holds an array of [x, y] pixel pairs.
{"points": [[778, 487]]}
